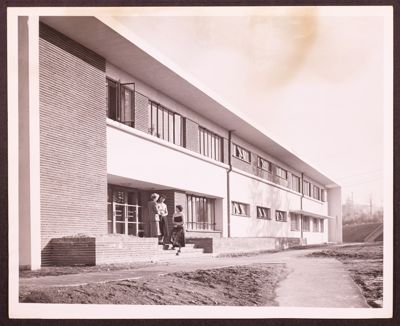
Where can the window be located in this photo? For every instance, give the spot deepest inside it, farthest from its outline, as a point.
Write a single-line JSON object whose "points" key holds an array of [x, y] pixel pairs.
{"points": [[263, 212], [294, 222], [306, 224], [210, 144], [264, 165], [281, 172], [295, 183], [120, 103], [165, 124], [280, 216], [240, 209], [321, 229], [306, 188], [323, 195], [200, 213], [241, 153], [316, 194], [315, 225], [124, 211]]}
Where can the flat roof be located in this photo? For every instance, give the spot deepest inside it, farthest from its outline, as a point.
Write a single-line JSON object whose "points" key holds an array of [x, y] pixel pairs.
{"points": [[121, 47]]}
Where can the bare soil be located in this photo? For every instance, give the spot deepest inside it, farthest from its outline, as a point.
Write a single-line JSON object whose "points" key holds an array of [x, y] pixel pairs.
{"points": [[365, 264], [67, 270], [252, 285]]}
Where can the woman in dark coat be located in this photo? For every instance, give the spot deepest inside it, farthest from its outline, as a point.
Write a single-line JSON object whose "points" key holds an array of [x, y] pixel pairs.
{"points": [[178, 232]]}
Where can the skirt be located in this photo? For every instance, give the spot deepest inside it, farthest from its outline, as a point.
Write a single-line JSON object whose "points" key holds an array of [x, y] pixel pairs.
{"points": [[178, 236]]}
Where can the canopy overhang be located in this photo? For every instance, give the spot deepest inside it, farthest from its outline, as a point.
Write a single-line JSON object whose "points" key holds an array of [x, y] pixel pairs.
{"points": [[307, 213]]}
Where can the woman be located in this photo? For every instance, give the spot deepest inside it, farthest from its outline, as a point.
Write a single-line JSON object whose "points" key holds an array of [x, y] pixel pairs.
{"points": [[154, 216], [163, 213], [178, 232]]}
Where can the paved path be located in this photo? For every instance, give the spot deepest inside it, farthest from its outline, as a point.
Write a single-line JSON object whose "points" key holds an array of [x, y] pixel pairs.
{"points": [[312, 282]]}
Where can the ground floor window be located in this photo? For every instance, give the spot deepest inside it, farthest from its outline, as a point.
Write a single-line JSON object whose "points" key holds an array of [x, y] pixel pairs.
{"points": [[315, 225], [306, 224], [240, 209], [294, 222], [280, 216], [321, 229], [124, 211], [200, 213], [263, 212]]}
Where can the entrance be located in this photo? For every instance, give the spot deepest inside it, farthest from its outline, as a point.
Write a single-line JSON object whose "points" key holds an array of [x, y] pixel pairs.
{"points": [[125, 212]]}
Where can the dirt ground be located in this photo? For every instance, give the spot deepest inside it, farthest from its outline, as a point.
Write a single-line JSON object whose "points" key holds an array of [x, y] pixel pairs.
{"points": [[252, 285], [365, 264]]}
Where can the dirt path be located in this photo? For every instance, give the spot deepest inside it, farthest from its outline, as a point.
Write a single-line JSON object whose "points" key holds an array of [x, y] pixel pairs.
{"points": [[208, 281]]}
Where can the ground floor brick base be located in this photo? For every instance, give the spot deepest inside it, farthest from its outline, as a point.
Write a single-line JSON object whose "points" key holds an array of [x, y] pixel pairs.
{"points": [[117, 249]]}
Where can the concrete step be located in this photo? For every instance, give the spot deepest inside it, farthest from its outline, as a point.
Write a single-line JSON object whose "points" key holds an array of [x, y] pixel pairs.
{"points": [[182, 255]]}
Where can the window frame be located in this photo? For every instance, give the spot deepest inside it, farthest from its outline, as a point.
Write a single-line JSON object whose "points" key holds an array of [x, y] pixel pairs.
{"points": [[316, 192], [298, 183], [266, 210], [308, 194], [260, 160], [245, 206], [210, 140], [208, 209], [236, 146], [306, 224], [278, 168], [279, 219], [295, 217]]}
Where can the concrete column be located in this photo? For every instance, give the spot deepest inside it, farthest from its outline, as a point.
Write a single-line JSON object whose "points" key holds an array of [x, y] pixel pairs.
{"points": [[29, 142], [335, 211]]}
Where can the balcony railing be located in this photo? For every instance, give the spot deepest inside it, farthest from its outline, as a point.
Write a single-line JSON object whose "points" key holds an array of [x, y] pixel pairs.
{"points": [[125, 219]]}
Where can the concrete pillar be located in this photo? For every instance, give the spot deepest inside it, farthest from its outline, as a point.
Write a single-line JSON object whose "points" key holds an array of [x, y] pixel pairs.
{"points": [[29, 142], [335, 211]]}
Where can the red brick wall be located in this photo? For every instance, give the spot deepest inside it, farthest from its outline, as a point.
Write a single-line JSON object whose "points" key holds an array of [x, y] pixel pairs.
{"points": [[141, 112], [73, 167]]}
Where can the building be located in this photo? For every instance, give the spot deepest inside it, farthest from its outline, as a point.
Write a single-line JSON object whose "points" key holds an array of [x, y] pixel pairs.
{"points": [[104, 123]]}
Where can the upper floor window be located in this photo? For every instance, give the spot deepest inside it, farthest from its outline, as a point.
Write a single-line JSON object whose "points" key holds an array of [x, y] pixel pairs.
{"points": [[316, 194], [323, 195], [264, 165], [165, 124], [263, 212], [295, 183], [120, 103], [240, 209], [280, 216], [280, 172], [210, 144], [241, 153], [306, 188]]}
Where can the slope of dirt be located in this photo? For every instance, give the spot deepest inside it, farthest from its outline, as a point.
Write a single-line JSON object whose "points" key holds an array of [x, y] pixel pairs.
{"points": [[365, 264], [358, 232], [252, 285]]}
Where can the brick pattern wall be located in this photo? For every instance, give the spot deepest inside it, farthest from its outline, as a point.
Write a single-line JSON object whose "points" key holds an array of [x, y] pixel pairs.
{"points": [[72, 138], [141, 112], [192, 135]]}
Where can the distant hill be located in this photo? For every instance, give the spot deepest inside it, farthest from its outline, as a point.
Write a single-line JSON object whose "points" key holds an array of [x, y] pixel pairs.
{"points": [[358, 232]]}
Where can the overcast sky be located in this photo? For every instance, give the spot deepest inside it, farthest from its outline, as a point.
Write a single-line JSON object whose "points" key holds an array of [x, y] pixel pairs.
{"points": [[315, 82]]}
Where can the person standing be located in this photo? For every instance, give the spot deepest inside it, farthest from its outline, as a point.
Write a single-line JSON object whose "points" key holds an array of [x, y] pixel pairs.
{"points": [[154, 216], [163, 212], [178, 232]]}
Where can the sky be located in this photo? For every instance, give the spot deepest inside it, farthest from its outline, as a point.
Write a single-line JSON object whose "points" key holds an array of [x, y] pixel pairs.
{"points": [[314, 81]]}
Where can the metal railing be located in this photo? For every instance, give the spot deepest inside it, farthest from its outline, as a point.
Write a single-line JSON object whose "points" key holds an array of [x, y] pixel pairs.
{"points": [[126, 217], [200, 226]]}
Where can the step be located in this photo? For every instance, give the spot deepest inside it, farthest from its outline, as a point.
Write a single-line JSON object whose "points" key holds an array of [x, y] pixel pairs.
{"points": [[182, 255]]}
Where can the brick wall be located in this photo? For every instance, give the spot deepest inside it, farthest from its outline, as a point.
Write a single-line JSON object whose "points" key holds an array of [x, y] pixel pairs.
{"points": [[141, 112], [191, 135], [73, 167]]}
